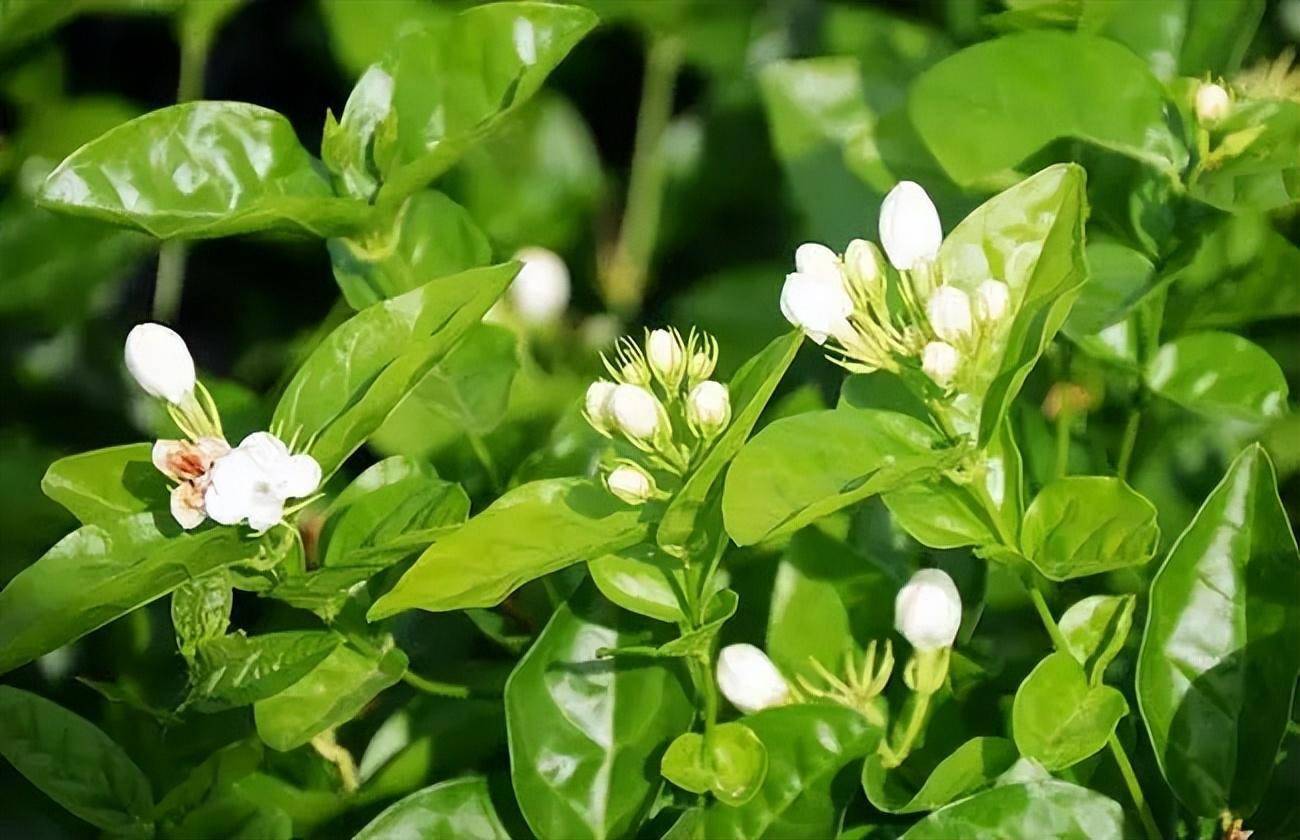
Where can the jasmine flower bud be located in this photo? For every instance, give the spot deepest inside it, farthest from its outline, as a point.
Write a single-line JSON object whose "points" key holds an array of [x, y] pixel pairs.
{"points": [[949, 312], [1212, 103], [635, 410], [540, 291], [814, 297], [909, 226], [992, 300], [255, 480], [160, 362], [927, 611], [749, 680], [862, 261], [940, 361], [708, 408], [701, 366], [596, 404], [630, 483], [667, 357]]}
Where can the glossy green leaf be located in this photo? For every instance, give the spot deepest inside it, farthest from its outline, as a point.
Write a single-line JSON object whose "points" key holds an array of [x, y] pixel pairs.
{"points": [[1218, 664], [532, 530], [201, 610], [642, 579], [236, 670], [100, 572], [970, 767], [361, 33], [364, 368], [430, 738], [1084, 525], [1053, 809], [1095, 630], [400, 257], [731, 763], [347, 144], [1010, 100], [1262, 171], [1220, 375], [800, 797], [212, 169], [471, 386], [1058, 719], [106, 484], [330, 694], [750, 389], [586, 733], [801, 468], [74, 763], [460, 808], [357, 532]]}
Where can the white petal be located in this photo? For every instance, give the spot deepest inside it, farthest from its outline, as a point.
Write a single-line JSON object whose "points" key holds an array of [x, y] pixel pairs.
{"points": [[267, 449], [265, 512], [163, 453], [226, 508], [184, 508], [299, 477]]}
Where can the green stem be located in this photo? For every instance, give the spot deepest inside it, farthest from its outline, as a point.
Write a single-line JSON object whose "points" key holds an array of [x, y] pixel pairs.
{"points": [[897, 755], [437, 687], [1063, 421], [1127, 444], [1045, 615], [623, 282]]}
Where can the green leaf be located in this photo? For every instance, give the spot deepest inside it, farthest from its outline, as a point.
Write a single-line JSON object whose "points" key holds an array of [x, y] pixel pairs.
{"points": [[1220, 375], [106, 484], [750, 389], [801, 468], [361, 33], [642, 579], [364, 368], [459, 808], [74, 763], [1261, 172], [347, 145], [1058, 719], [103, 571], [237, 670], [970, 767], [806, 746], [201, 170], [733, 770], [471, 386], [330, 694], [1095, 630], [532, 530], [1010, 100], [235, 817], [1084, 525], [1218, 664], [585, 732], [357, 533], [201, 610], [397, 258], [453, 81], [211, 778], [1037, 809]]}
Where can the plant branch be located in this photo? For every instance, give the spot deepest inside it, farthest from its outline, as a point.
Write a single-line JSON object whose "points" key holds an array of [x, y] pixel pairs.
{"points": [[1131, 427], [437, 687]]}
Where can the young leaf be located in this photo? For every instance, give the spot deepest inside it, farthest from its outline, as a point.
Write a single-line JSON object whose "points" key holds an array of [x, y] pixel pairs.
{"points": [[1095, 630], [1084, 525], [1263, 174], [1035, 809], [532, 530], [107, 483], [1220, 375], [1218, 664], [456, 808], [973, 765], [1058, 719], [100, 572], [236, 670], [74, 763], [201, 610], [201, 170], [585, 732], [347, 145], [733, 770]]}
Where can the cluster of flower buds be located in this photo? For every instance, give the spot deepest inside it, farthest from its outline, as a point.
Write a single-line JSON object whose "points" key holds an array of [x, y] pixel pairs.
{"points": [[251, 482], [847, 299], [662, 402]]}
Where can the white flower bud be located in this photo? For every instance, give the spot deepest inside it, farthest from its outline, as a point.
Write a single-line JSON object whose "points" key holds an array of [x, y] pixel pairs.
{"points": [[815, 258], [749, 680], [992, 300], [1212, 103], [702, 365], [927, 611], [667, 357], [940, 361], [635, 410], [909, 226], [814, 297], [949, 312], [708, 408], [862, 263], [159, 360], [596, 403], [630, 483], [635, 373], [540, 291]]}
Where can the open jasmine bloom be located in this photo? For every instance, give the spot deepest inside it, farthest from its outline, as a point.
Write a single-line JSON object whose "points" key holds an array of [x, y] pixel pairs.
{"points": [[188, 463], [255, 480]]}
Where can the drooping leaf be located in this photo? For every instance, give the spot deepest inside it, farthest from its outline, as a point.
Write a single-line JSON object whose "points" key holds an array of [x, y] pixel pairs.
{"points": [[1035, 809], [1220, 375], [460, 808], [1083, 525], [106, 484], [973, 765]]}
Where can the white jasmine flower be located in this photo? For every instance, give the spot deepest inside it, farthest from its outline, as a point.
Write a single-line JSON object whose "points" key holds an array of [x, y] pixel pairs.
{"points": [[992, 300], [540, 291], [949, 311], [927, 611], [940, 361], [667, 357], [814, 297], [909, 226], [708, 408], [635, 410], [255, 480], [749, 680], [1212, 103], [160, 362], [630, 483], [188, 463]]}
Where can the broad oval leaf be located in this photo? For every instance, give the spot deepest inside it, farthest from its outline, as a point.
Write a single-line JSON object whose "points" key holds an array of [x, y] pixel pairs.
{"points": [[200, 170], [103, 571], [1219, 661], [1053, 809], [1085, 525], [1095, 630], [642, 579], [107, 483], [471, 386], [973, 765], [586, 733], [74, 763], [237, 670], [1058, 719], [1220, 375], [532, 530], [460, 808]]}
